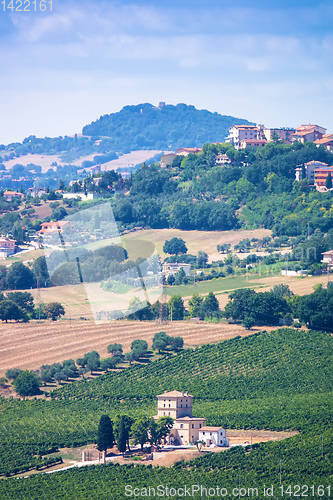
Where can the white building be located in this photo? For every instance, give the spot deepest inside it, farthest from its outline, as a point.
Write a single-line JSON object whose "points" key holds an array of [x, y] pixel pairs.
{"points": [[7, 247], [328, 259], [84, 197], [310, 167], [36, 192], [239, 133], [213, 436], [173, 268], [222, 159]]}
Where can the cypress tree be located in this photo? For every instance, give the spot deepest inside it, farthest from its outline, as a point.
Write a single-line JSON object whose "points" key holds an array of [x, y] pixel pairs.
{"points": [[105, 437], [122, 434]]}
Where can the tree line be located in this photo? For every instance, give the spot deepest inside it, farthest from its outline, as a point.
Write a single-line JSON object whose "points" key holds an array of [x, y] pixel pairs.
{"points": [[280, 305], [19, 306], [124, 428]]}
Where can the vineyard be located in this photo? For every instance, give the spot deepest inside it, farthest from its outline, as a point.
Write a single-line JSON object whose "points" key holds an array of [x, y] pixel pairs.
{"points": [[298, 462], [279, 380]]}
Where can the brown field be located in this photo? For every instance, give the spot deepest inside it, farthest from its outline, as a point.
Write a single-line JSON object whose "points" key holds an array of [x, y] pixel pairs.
{"points": [[195, 240], [28, 346]]}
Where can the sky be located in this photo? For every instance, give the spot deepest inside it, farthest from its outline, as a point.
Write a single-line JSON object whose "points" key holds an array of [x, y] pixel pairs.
{"points": [[267, 62]]}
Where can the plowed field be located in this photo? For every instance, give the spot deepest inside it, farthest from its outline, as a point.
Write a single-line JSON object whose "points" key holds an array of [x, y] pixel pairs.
{"points": [[28, 346]]}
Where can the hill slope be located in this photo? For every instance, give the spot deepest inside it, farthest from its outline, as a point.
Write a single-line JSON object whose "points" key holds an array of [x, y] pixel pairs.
{"points": [[277, 381], [145, 126]]}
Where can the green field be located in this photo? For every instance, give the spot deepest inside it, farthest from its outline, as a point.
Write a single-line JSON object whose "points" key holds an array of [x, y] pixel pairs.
{"points": [[217, 285]]}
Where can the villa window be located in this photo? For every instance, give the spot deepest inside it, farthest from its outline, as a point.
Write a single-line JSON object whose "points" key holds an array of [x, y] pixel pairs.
{"points": [[181, 426], [192, 426], [203, 433]]}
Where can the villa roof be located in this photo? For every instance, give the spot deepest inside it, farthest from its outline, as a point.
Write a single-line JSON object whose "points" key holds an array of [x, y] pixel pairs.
{"points": [[327, 138], [304, 132], [174, 394]]}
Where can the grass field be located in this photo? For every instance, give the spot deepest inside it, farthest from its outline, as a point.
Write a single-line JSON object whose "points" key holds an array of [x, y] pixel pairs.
{"points": [[263, 283]]}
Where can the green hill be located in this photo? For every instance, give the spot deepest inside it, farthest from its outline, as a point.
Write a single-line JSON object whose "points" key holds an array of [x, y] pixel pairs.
{"points": [[145, 126]]}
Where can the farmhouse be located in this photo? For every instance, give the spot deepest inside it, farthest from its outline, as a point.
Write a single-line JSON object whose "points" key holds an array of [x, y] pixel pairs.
{"points": [[167, 159], [186, 428], [328, 258], [7, 247], [9, 195], [36, 192], [173, 268], [187, 151], [54, 227]]}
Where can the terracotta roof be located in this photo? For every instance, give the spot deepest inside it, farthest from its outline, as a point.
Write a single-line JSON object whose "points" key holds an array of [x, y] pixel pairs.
{"points": [[306, 127], [304, 132], [174, 394], [53, 224], [329, 252], [325, 139], [210, 428], [13, 193]]}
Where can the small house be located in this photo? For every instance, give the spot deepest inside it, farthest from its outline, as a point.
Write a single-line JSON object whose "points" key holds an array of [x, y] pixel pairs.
{"points": [[213, 436]]}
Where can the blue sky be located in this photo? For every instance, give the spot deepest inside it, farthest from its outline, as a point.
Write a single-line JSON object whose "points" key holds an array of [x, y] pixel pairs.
{"points": [[268, 62]]}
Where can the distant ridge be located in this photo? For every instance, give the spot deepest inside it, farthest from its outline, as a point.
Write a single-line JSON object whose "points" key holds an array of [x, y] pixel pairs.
{"points": [[144, 126]]}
